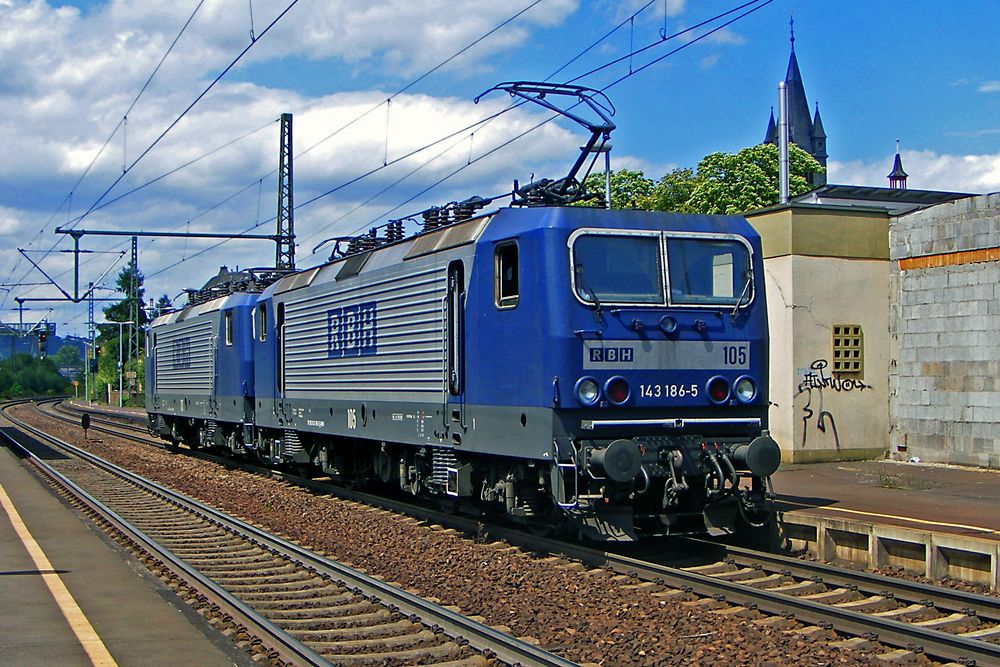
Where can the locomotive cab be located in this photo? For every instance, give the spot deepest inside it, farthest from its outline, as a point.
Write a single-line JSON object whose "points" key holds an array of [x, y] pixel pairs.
{"points": [[644, 337]]}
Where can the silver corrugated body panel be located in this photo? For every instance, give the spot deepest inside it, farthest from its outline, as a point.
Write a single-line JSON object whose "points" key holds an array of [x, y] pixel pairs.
{"points": [[397, 353], [185, 357]]}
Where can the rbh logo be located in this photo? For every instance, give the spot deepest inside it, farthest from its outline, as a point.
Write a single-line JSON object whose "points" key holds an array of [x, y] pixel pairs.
{"points": [[621, 355], [182, 353], [352, 331]]}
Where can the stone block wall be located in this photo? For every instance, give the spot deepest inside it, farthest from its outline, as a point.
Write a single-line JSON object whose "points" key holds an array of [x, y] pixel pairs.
{"points": [[944, 325]]}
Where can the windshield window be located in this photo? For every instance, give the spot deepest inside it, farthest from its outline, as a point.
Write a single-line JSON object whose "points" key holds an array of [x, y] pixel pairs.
{"points": [[618, 269], [708, 271]]}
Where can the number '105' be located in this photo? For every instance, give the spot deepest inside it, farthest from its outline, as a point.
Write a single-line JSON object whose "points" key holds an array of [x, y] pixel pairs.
{"points": [[734, 356]]}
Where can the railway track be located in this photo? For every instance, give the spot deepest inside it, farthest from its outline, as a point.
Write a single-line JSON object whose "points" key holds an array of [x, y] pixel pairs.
{"points": [[905, 618], [306, 608]]}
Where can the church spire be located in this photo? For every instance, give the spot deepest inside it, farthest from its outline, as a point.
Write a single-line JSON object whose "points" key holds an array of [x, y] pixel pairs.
{"points": [[897, 178], [804, 130]]}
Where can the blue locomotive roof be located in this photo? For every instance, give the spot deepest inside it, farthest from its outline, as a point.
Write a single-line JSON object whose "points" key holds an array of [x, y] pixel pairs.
{"points": [[509, 221], [229, 301]]}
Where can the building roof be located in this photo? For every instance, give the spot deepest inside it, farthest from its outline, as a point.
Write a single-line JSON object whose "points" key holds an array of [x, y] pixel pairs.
{"points": [[895, 200]]}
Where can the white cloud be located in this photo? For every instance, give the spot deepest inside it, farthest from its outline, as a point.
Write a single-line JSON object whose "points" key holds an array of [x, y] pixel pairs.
{"points": [[726, 36], [709, 61], [12, 222], [927, 170], [69, 76], [989, 87]]}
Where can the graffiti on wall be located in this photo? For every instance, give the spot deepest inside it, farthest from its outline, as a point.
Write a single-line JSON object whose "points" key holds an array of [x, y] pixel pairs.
{"points": [[814, 416]]}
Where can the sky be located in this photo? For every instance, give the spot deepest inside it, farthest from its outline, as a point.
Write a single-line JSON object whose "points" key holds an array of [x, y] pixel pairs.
{"points": [[370, 84]]}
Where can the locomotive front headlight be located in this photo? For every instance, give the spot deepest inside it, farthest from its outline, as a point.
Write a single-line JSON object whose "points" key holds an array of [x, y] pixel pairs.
{"points": [[668, 324], [587, 391], [745, 389], [718, 389], [617, 390]]}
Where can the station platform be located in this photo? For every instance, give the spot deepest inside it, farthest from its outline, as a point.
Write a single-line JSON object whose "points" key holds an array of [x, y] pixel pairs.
{"points": [[71, 597], [932, 497]]}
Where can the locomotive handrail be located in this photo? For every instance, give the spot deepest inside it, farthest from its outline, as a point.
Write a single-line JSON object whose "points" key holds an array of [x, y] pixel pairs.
{"points": [[678, 422]]}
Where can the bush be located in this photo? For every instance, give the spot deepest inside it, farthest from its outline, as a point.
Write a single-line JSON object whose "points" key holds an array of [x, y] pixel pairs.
{"points": [[24, 375]]}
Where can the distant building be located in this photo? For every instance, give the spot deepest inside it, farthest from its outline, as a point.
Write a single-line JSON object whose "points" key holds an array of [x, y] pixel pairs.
{"points": [[805, 132]]}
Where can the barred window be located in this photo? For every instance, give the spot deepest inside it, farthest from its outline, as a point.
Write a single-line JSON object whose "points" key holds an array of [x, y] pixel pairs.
{"points": [[848, 350]]}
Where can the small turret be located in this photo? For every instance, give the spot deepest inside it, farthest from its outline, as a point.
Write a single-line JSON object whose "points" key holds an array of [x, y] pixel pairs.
{"points": [[771, 136], [897, 177]]}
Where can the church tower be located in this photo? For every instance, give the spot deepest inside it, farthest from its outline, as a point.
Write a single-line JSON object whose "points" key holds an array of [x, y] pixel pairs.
{"points": [[805, 132]]}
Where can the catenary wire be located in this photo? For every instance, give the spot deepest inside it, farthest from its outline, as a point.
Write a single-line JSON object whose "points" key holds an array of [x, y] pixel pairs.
{"points": [[174, 123], [630, 74], [69, 197], [375, 107], [591, 72], [402, 90], [341, 186], [184, 113]]}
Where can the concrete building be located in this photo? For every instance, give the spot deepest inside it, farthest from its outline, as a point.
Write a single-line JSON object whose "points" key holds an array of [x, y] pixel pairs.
{"points": [[827, 280], [944, 323], [828, 275]]}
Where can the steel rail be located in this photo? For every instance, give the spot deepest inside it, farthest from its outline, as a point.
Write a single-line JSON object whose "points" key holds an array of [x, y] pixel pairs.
{"points": [[504, 647], [888, 631], [131, 418], [287, 647], [946, 598]]}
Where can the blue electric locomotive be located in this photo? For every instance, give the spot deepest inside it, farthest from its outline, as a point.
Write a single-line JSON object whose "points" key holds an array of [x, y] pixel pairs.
{"points": [[566, 366]]}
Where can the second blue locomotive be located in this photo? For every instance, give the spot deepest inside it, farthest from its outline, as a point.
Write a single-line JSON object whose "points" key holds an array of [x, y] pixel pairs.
{"points": [[604, 371]]}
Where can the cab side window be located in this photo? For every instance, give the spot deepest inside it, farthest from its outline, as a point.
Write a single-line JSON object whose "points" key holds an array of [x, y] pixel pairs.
{"points": [[229, 327], [506, 278]]}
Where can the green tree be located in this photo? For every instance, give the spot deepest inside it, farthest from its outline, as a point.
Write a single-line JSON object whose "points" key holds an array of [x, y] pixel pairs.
{"points": [[723, 183], [129, 283], [629, 188], [26, 375], [747, 180], [673, 191], [163, 305], [67, 355]]}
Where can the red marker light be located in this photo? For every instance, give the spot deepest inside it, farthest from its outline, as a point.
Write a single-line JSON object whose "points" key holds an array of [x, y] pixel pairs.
{"points": [[718, 389], [617, 390]]}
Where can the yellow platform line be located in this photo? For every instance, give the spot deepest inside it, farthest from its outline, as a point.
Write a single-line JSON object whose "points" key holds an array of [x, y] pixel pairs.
{"points": [[84, 631], [831, 508]]}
